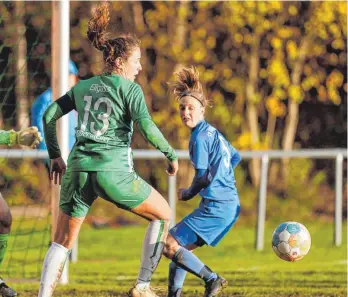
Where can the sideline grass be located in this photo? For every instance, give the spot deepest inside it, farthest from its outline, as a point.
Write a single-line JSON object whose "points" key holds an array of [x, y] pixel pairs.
{"points": [[109, 260]]}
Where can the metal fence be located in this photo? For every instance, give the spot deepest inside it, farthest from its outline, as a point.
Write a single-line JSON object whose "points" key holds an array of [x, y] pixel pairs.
{"points": [[265, 156]]}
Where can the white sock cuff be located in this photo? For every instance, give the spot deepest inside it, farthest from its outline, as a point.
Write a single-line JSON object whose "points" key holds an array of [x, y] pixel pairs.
{"points": [[157, 231], [59, 246]]}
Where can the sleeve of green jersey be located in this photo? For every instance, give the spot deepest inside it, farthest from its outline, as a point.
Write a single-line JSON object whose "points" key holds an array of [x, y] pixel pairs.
{"points": [[5, 137], [140, 115], [56, 110]]}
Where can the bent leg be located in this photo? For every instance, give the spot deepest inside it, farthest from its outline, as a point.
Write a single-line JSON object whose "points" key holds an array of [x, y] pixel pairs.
{"points": [[156, 209], [129, 191], [5, 217], [177, 275], [5, 227], [187, 260]]}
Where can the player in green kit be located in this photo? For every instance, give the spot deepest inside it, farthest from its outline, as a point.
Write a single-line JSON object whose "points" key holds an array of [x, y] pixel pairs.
{"points": [[29, 137], [100, 164]]}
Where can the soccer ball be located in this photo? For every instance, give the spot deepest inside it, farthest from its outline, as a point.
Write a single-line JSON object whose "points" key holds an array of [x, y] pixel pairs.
{"points": [[291, 241]]}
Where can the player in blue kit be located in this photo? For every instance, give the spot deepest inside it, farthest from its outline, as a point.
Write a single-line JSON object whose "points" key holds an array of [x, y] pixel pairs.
{"points": [[214, 159]]}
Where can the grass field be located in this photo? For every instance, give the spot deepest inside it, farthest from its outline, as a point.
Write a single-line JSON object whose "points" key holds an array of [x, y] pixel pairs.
{"points": [[109, 260]]}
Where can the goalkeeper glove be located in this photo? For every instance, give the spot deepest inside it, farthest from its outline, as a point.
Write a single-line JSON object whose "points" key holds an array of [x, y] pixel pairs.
{"points": [[30, 137]]}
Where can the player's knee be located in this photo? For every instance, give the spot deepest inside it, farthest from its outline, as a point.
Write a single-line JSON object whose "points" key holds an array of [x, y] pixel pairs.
{"points": [[164, 215], [5, 221], [170, 247]]}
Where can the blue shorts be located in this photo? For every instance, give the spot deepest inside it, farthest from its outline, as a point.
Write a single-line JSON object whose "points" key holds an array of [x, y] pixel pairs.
{"points": [[207, 224]]}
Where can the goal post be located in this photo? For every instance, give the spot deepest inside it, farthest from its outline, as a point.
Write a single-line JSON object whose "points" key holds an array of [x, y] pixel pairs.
{"points": [[60, 85]]}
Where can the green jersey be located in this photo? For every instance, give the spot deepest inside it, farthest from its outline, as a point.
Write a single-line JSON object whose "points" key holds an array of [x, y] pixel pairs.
{"points": [[107, 106]]}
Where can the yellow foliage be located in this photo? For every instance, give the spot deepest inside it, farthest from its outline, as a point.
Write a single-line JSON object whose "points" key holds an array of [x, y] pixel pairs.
{"points": [[251, 19], [318, 50], [217, 98], [293, 10], [276, 5], [276, 43], [208, 76], [333, 59], [262, 7], [244, 141], [278, 73], [307, 69], [335, 30], [342, 8], [322, 33], [335, 79], [248, 39], [334, 96], [263, 73], [199, 55], [157, 88], [162, 40], [238, 38], [147, 41], [201, 33], [227, 73], [322, 93], [266, 25], [275, 107], [279, 93], [236, 120], [211, 42], [325, 14], [338, 44], [295, 93], [255, 98], [183, 12], [285, 33], [310, 82], [292, 50], [116, 6]]}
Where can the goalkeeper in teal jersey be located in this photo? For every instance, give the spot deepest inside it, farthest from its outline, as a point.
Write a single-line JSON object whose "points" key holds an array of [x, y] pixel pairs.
{"points": [[100, 164], [27, 137]]}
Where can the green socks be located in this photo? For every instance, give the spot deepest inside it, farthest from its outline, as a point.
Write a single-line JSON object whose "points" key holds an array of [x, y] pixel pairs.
{"points": [[3, 246]]}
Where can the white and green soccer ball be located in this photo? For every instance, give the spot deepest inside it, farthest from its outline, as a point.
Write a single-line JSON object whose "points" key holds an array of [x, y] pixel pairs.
{"points": [[291, 241]]}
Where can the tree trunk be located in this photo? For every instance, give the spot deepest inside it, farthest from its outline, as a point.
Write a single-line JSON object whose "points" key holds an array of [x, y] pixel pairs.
{"points": [[293, 108], [138, 15], [252, 115], [271, 124], [21, 68], [97, 62], [181, 25]]}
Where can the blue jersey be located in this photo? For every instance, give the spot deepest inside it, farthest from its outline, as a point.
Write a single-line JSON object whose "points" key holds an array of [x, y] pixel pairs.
{"points": [[39, 107], [209, 150]]}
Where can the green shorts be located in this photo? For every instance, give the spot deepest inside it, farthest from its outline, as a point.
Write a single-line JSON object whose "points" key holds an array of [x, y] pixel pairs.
{"points": [[80, 188]]}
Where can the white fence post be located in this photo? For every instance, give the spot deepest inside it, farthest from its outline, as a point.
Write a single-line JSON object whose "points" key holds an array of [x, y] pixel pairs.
{"points": [[172, 198], [338, 200], [261, 213]]}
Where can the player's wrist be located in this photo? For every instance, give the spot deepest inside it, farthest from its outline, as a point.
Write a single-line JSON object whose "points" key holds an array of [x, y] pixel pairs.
{"points": [[186, 195], [172, 157], [13, 138]]}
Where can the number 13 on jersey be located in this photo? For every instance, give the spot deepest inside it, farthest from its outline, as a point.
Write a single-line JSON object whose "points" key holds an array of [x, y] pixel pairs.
{"points": [[104, 117]]}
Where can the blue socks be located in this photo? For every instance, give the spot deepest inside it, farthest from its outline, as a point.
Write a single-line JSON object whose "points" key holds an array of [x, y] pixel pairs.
{"points": [[176, 280], [191, 263]]}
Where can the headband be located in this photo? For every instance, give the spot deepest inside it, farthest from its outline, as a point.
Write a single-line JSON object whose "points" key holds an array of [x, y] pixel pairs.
{"points": [[195, 95]]}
